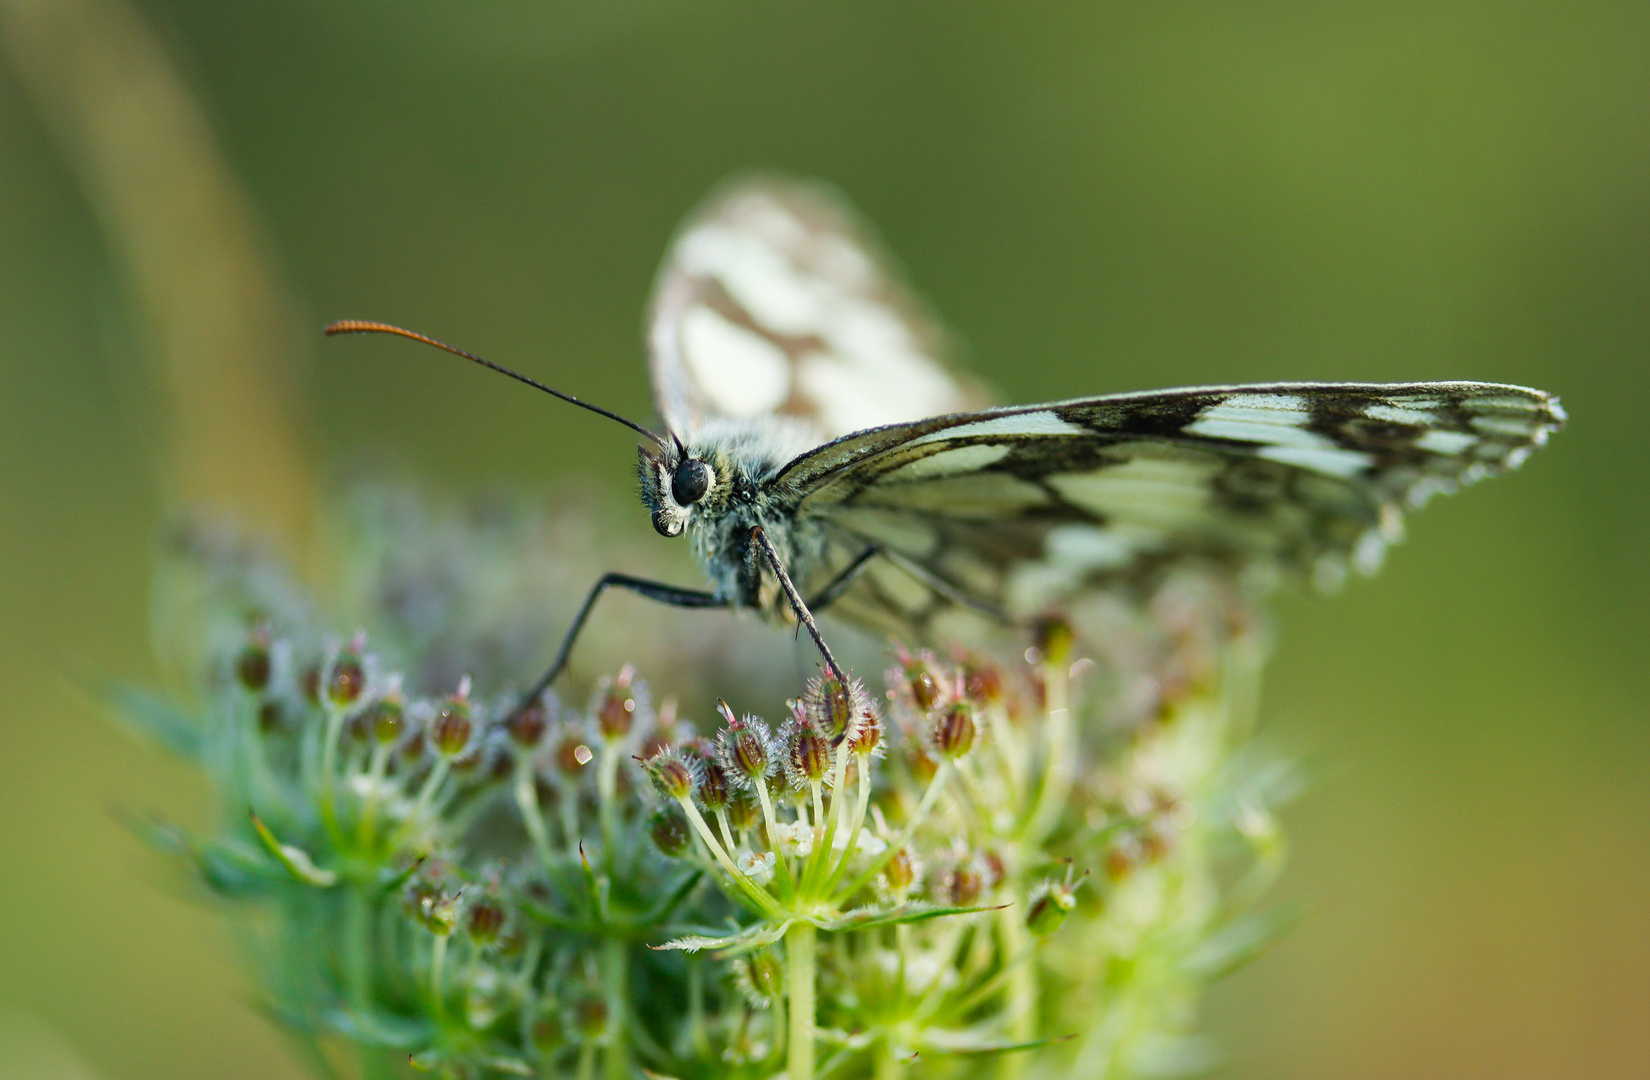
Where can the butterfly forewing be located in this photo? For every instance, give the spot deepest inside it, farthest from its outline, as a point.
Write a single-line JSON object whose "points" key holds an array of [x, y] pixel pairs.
{"points": [[777, 320], [775, 301], [1019, 509]]}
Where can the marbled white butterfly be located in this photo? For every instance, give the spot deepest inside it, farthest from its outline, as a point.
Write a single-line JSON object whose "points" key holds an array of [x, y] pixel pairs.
{"points": [[818, 452]]}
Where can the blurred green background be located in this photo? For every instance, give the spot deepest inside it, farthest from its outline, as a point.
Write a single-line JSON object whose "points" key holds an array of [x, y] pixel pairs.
{"points": [[1097, 197]]}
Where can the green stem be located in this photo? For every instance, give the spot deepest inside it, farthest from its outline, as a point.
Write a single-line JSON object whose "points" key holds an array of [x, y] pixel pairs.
{"points": [[696, 1007], [905, 834], [329, 764], [758, 895], [527, 804], [855, 823], [438, 963], [358, 949], [1022, 988], [1059, 759], [888, 1066], [800, 946], [607, 783], [839, 779], [788, 886], [616, 976], [369, 806]]}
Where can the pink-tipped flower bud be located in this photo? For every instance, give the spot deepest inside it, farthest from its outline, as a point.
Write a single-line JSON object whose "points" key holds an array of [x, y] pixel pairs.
{"points": [[952, 732], [745, 748], [452, 726], [672, 774], [346, 680], [866, 737], [526, 726], [807, 752], [713, 786], [616, 711], [921, 683]]}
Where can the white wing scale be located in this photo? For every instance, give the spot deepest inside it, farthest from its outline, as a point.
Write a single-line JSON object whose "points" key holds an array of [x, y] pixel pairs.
{"points": [[775, 300]]}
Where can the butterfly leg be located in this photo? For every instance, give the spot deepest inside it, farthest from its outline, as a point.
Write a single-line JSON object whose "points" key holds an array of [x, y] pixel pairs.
{"points": [[803, 615], [653, 590], [839, 584]]}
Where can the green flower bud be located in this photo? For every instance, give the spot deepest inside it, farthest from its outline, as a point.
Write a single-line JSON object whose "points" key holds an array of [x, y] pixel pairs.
{"points": [[713, 786], [672, 774], [345, 681], [670, 830], [252, 667], [389, 721], [1048, 910], [526, 726], [485, 922], [452, 727]]}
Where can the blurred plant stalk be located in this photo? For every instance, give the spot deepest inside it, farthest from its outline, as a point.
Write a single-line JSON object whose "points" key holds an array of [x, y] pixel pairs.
{"points": [[215, 319]]}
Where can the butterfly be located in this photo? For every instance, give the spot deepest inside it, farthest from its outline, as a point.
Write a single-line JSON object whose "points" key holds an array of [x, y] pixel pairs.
{"points": [[819, 452]]}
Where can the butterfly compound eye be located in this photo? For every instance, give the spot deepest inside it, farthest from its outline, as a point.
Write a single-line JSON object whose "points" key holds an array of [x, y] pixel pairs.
{"points": [[691, 481]]}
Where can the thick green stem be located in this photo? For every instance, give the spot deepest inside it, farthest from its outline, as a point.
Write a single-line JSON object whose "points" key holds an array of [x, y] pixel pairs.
{"points": [[888, 1066], [800, 947], [358, 949], [1022, 987]]}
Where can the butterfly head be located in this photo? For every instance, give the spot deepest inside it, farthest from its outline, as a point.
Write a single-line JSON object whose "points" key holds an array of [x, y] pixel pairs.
{"points": [[673, 483]]}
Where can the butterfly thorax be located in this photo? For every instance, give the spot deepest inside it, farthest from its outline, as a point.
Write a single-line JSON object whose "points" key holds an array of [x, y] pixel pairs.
{"points": [[742, 456]]}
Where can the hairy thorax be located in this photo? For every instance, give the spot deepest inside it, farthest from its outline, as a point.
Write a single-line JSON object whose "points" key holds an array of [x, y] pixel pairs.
{"points": [[744, 456]]}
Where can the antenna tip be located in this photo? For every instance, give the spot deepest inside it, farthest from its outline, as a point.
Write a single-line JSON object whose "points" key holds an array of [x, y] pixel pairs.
{"points": [[351, 326]]}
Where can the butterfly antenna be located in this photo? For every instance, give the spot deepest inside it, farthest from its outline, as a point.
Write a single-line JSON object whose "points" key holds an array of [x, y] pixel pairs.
{"points": [[357, 326]]}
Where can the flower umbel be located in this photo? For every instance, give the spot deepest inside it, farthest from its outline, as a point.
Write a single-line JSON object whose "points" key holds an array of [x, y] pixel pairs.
{"points": [[484, 890]]}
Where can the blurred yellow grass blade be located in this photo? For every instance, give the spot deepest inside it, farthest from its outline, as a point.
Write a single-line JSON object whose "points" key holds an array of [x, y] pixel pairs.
{"points": [[217, 325]]}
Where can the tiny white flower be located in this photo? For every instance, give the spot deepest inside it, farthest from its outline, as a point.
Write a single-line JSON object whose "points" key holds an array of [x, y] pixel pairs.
{"points": [[796, 837], [758, 866]]}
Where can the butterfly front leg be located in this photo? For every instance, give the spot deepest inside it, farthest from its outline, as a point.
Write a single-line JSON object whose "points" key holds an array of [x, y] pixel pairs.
{"points": [[803, 615], [653, 590]]}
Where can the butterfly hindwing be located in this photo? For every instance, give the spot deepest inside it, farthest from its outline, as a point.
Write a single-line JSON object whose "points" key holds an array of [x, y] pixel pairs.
{"points": [[1017, 509], [774, 300]]}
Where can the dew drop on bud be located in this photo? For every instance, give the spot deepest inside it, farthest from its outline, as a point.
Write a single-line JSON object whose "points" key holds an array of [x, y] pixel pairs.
{"points": [[345, 681], [451, 729]]}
